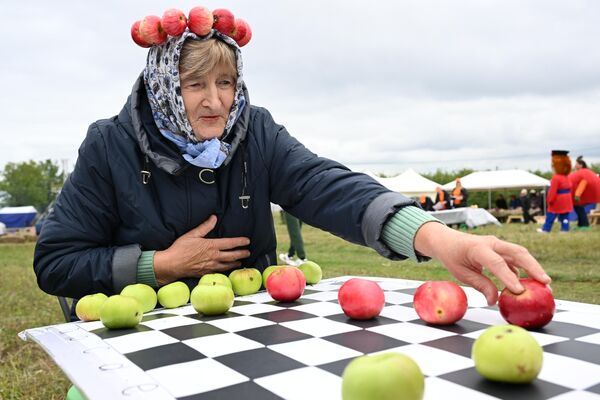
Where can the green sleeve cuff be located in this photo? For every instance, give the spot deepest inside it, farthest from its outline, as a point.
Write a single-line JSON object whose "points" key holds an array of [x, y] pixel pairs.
{"points": [[145, 269], [399, 232]]}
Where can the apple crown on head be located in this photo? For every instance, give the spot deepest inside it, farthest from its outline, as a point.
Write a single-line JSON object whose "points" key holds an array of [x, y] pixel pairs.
{"points": [[153, 30]]}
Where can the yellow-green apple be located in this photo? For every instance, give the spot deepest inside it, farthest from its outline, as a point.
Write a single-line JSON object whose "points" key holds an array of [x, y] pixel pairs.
{"points": [[507, 353], [224, 21], [120, 312], [135, 35], [200, 20], [267, 272], [215, 279], [245, 281], [384, 376], [174, 294], [143, 293], [286, 284], [361, 298], [173, 22], [440, 302], [212, 299], [531, 309], [246, 38], [312, 272], [151, 30], [88, 307]]}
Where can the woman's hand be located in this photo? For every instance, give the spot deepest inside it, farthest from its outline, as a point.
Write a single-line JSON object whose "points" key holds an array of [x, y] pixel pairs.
{"points": [[466, 255], [192, 255]]}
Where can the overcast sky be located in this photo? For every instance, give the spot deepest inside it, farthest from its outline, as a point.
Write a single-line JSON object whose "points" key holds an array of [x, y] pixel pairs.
{"points": [[380, 86]]}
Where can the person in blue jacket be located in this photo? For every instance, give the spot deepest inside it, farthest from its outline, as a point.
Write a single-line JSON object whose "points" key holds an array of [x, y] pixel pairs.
{"points": [[179, 184]]}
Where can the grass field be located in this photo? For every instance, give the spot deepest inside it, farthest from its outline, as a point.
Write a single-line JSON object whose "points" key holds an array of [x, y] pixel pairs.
{"points": [[26, 372]]}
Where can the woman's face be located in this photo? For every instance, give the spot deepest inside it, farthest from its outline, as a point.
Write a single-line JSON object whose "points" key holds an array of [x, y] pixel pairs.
{"points": [[207, 102]]}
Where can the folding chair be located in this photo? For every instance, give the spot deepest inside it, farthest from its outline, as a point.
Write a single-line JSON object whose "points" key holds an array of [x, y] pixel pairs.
{"points": [[65, 307]]}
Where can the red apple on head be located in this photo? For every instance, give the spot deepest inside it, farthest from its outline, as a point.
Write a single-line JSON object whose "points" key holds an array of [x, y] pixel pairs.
{"points": [[286, 284], [135, 35], [531, 309], [151, 30], [361, 298], [224, 21], [244, 41], [440, 302], [200, 20], [174, 22]]}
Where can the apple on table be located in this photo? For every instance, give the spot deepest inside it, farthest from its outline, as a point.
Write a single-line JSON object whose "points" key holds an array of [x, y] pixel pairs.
{"points": [[312, 272], [532, 309], [121, 312], [143, 293], [214, 299], [245, 281], [286, 284], [88, 307], [361, 299], [174, 295], [440, 302], [215, 279]]}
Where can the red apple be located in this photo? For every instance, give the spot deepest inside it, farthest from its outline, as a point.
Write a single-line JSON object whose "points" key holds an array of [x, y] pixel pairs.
{"points": [[151, 30], [239, 29], [173, 22], [135, 35], [361, 298], [286, 284], [244, 40], [440, 302], [531, 309], [200, 20], [224, 21]]}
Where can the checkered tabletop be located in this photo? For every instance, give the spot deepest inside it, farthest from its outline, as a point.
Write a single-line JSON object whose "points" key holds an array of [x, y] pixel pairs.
{"points": [[262, 349]]}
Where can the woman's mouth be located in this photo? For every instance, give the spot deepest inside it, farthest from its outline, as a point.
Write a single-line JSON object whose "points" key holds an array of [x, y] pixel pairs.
{"points": [[209, 118]]}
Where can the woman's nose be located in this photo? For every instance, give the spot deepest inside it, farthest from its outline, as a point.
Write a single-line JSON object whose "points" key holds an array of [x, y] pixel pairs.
{"points": [[210, 96]]}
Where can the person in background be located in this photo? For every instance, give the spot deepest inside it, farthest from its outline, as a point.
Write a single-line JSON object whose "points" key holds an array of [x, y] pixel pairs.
{"points": [[501, 202], [442, 200], [514, 202], [460, 196], [526, 206], [560, 201], [426, 202], [535, 203], [586, 191], [294, 228]]}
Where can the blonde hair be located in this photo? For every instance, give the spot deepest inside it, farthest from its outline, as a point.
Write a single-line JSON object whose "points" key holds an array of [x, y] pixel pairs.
{"points": [[199, 57]]}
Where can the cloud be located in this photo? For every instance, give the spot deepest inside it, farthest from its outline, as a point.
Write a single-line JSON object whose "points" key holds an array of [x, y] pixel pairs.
{"points": [[392, 84]]}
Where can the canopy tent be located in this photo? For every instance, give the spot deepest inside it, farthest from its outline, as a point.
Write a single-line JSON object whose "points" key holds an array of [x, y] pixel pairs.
{"points": [[17, 217], [495, 180], [410, 183]]}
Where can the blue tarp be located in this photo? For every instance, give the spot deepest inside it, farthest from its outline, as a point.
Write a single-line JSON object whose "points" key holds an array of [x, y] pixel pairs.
{"points": [[17, 217]]}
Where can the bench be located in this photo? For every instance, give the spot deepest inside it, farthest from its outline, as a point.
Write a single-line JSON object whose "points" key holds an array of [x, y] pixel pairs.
{"points": [[514, 217]]}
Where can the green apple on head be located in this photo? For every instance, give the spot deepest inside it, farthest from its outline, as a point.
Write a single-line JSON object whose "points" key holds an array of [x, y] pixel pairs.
{"points": [[88, 307], [507, 353], [215, 279], [174, 295], [384, 376], [121, 312], [212, 299], [143, 293], [312, 272], [245, 281]]}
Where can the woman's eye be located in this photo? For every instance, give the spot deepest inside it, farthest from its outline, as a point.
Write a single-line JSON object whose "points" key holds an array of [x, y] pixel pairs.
{"points": [[225, 83]]}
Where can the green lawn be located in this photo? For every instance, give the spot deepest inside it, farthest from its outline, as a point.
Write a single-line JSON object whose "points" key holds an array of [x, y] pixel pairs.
{"points": [[572, 260]]}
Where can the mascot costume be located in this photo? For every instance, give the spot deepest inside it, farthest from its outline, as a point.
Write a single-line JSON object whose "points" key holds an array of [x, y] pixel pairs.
{"points": [[560, 200], [586, 192]]}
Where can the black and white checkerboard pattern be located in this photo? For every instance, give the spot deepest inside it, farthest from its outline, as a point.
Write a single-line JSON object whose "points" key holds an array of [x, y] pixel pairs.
{"points": [[262, 349]]}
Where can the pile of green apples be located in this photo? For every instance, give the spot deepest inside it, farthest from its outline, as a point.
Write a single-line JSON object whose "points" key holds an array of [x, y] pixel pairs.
{"points": [[214, 295]]}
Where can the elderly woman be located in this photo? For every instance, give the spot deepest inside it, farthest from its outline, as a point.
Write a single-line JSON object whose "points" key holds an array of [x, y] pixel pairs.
{"points": [[179, 184]]}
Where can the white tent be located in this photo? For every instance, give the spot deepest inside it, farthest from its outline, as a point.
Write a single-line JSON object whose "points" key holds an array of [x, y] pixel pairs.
{"points": [[410, 183], [503, 179]]}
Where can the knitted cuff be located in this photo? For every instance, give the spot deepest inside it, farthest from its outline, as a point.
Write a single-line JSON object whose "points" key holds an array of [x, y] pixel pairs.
{"points": [[145, 269], [399, 232]]}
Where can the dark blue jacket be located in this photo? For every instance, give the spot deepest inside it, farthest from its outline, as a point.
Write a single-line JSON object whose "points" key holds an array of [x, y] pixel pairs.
{"points": [[105, 215]]}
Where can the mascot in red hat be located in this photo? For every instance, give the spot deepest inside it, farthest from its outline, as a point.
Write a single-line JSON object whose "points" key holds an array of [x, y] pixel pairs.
{"points": [[560, 200]]}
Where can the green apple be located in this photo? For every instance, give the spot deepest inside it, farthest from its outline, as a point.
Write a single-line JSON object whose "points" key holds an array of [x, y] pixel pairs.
{"points": [[119, 312], [142, 293], [268, 272], [88, 307], [245, 281], [312, 272], [174, 295], [385, 376], [507, 353], [212, 279], [212, 299]]}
